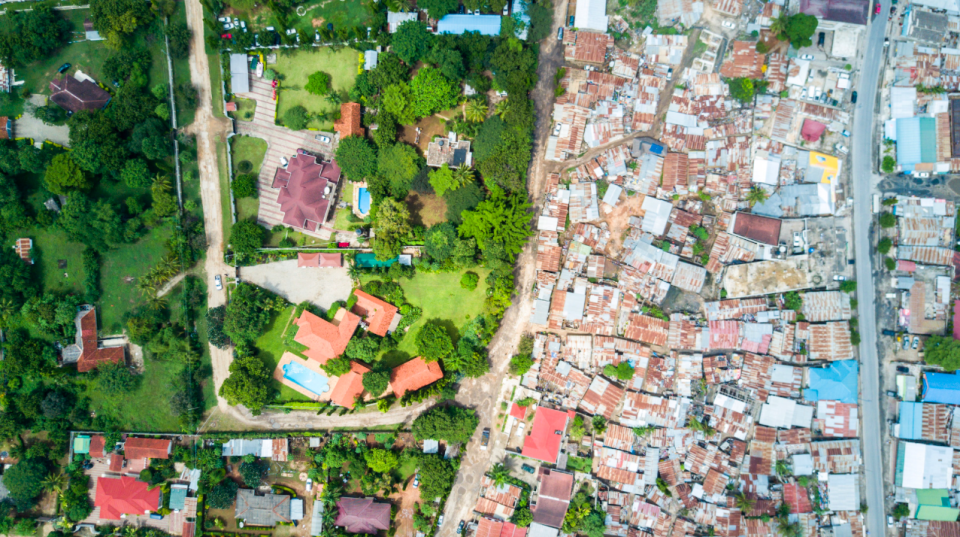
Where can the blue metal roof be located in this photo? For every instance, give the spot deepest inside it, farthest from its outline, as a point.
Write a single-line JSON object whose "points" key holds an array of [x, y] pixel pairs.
{"points": [[837, 382], [916, 141], [458, 24], [941, 388], [911, 420]]}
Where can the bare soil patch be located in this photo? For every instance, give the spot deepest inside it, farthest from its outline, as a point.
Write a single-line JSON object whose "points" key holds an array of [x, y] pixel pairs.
{"points": [[429, 127], [406, 500], [426, 209], [618, 220]]}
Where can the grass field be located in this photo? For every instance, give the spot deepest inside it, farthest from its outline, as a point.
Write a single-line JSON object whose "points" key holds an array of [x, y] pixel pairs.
{"points": [[342, 221], [441, 298], [344, 14], [225, 207], [245, 109], [181, 72], [146, 408], [248, 148], [119, 271], [49, 248], [296, 70], [272, 348]]}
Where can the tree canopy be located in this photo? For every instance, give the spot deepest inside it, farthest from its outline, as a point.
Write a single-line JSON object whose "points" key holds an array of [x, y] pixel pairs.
{"points": [[29, 35], [24, 481], [392, 225], [436, 476], [798, 29], [450, 423], [64, 175], [411, 41], [433, 342], [356, 158], [118, 19], [246, 237], [500, 219], [248, 384], [432, 92], [381, 460], [438, 8], [376, 382], [398, 164]]}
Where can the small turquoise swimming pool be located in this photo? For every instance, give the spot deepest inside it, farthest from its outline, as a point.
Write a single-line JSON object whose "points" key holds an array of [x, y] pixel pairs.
{"points": [[363, 201], [306, 378]]}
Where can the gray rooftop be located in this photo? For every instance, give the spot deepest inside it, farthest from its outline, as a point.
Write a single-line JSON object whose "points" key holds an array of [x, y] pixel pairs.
{"points": [[265, 510]]}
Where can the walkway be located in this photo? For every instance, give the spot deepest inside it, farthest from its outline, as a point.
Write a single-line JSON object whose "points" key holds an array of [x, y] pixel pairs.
{"points": [[281, 142]]}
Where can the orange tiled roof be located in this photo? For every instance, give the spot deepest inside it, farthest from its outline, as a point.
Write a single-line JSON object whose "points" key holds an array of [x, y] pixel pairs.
{"points": [[91, 355], [414, 375], [146, 448], [349, 386], [349, 122], [376, 312], [325, 340]]}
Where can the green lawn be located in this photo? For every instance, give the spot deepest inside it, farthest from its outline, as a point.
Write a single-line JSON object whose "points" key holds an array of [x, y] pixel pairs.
{"points": [[245, 109], [342, 220], [181, 72], [440, 297], [225, 207], [250, 149], [271, 348], [145, 409], [49, 248], [340, 14], [296, 69], [580, 464], [407, 469], [119, 271]]}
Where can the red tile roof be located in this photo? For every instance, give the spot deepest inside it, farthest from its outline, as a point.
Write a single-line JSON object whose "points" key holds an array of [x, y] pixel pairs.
{"points": [[116, 496], [97, 443], [305, 192], [91, 355], [548, 429], [758, 228], [518, 411], [812, 130], [362, 515], [488, 527], [325, 340], [377, 313], [349, 122], [73, 95], [349, 386], [116, 462], [147, 448], [556, 489], [413, 375], [320, 260]]}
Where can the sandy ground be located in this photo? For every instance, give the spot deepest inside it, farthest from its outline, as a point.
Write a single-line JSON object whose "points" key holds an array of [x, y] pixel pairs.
{"points": [[28, 126], [320, 286]]}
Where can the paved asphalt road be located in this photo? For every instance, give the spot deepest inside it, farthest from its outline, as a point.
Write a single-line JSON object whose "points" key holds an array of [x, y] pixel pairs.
{"points": [[862, 166]]}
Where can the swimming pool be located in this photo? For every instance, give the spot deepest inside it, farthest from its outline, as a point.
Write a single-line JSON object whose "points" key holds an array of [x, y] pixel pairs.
{"points": [[363, 201], [305, 378]]}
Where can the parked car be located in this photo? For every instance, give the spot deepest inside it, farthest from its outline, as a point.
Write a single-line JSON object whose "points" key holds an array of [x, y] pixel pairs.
{"points": [[460, 527], [226, 36], [324, 139], [839, 277], [891, 393], [903, 369], [841, 148], [890, 333], [890, 522], [728, 24], [806, 57], [284, 162], [877, 10], [846, 133], [506, 9], [560, 33], [416, 481], [343, 245], [218, 282], [906, 343], [63, 67], [527, 468], [460, 9], [440, 521], [485, 438], [916, 342], [309, 484], [853, 97], [821, 38]]}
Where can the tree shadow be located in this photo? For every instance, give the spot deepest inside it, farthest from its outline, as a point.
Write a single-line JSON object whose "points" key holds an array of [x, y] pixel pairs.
{"points": [[414, 205], [450, 328]]}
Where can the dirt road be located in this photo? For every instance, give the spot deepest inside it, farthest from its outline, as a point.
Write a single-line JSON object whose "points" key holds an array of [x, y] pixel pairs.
{"points": [[482, 394], [208, 130]]}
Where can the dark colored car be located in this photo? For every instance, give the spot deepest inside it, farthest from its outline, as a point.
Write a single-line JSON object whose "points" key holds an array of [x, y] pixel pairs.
{"points": [[821, 38], [890, 333], [903, 369], [853, 97], [63, 67], [527, 468]]}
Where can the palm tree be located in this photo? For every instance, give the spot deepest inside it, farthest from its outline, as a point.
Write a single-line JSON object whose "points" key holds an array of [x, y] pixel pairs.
{"points": [[783, 468], [55, 482], [463, 174], [475, 110], [501, 108], [756, 195], [786, 529], [779, 24], [354, 271], [161, 183], [156, 303], [744, 503], [7, 309], [499, 474]]}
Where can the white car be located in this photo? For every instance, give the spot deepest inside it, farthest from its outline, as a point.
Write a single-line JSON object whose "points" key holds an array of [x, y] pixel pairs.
{"points": [[324, 139], [846, 133], [842, 148], [506, 10], [309, 484], [218, 282], [728, 24], [284, 162], [806, 57]]}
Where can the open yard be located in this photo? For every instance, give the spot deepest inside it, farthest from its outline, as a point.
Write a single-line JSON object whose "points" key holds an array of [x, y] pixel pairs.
{"points": [[248, 154], [441, 297], [58, 262], [245, 109], [146, 408], [312, 14], [426, 209], [119, 271], [295, 69], [271, 348]]}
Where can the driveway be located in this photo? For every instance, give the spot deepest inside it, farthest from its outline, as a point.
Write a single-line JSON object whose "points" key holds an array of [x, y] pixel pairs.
{"points": [[319, 286], [29, 126]]}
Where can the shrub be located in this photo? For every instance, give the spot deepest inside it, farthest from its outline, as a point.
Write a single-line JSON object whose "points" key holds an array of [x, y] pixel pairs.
{"points": [[296, 118], [244, 166], [245, 186], [884, 245], [890, 263], [469, 281], [318, 83], [888, 220]]}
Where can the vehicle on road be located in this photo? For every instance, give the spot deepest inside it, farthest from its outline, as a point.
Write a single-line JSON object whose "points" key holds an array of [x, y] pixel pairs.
{"points": [[853, 97], [460, 527], [903, 369], [527, 468], [218, 282], [728, 24], [916, 342], [485, 438], [877, 10], [806, 57], [560, 33], [63, 67], [846, 133]]}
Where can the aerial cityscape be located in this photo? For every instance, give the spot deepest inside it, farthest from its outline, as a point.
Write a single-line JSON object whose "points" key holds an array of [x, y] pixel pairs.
{"points": [[480, 268]]}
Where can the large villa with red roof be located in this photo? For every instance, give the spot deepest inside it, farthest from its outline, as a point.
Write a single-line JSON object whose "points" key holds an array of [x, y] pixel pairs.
{"points": [[545, 437], [325, 340], [307, 188], [87, 352], [125, 495]]}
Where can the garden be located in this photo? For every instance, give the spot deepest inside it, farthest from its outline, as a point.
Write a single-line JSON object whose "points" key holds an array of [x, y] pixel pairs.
{"points": [[294, 70]]}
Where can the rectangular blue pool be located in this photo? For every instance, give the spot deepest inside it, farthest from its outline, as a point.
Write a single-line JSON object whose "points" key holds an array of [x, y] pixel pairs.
{"points": [[306, 378], [363, 201]]}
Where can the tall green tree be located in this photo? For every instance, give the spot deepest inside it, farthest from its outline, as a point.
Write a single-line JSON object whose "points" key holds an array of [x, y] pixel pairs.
{"points": [[501, 219], [248, 384], [433, 342], [398, 164], [411, 41], [356, 158], [29, 35], [450, 423], [392, 227], [432, 92], [246, 237], [437, 8], [64, 175], [118, 19]]}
